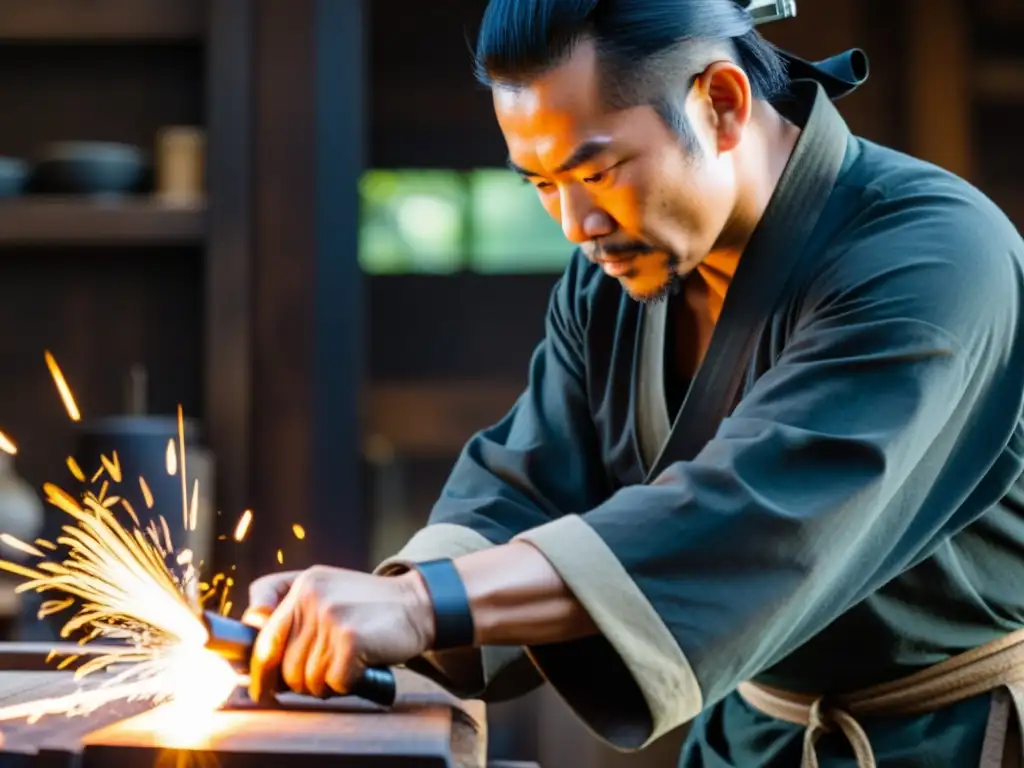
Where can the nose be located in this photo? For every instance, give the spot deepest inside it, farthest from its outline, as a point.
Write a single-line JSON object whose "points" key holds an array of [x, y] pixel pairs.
{"points": [[581, 220]]}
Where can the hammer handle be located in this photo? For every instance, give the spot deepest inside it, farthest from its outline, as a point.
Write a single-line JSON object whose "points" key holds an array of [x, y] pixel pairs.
{"points": [[376, 684]]}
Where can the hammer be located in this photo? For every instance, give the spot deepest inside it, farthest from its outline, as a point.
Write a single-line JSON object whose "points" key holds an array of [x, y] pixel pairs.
{"points": [[233, 641]]}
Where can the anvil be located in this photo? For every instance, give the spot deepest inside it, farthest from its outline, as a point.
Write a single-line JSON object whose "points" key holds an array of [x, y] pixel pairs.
{"points": [[233, 641]]}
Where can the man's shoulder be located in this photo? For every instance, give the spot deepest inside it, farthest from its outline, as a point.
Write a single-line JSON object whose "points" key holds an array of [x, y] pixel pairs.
{"points": [[912, 243], [918, 232], [897, 190]]}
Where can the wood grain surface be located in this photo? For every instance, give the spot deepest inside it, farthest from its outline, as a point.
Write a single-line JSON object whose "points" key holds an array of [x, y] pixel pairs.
{"points": [[427, 727]]}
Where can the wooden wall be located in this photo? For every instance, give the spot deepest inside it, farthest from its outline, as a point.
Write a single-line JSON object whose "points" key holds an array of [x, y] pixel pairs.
{"points": [[102, 287]]}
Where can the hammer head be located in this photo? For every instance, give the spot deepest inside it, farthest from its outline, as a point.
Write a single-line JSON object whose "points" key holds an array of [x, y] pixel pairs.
{"points": [[230, 639]]}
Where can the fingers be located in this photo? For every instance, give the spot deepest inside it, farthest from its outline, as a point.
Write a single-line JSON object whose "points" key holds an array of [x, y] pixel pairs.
{"points": [[317, 660], [300, 644], [256, 617], [268, 652], [343, 667], [265, 594]]}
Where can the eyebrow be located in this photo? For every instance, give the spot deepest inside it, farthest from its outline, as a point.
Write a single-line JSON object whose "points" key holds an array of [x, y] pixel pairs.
{"points": [[585, 152]]}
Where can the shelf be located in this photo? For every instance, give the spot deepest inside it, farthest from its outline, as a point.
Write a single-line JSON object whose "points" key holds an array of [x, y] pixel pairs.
{"points": [[102, 20], [28, 221]]}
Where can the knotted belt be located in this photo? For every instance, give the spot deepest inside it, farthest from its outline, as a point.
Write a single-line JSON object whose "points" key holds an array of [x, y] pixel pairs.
{"points": [[996, 667]]}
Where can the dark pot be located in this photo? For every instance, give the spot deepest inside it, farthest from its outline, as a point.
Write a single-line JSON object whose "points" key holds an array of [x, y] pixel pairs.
{"points": [[89, 168], [13, 176]]}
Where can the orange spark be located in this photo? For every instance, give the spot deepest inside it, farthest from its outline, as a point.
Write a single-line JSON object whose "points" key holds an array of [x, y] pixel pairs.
{"points": [[243, 525], [171, 460], [184, 481], [299, 531], [15, 543], [167, 533], [7, 445], [147, 495], [62, 387], [75, 469], [131, 512], [193, 512], [50, 607], [113, 467], [280, 557]]}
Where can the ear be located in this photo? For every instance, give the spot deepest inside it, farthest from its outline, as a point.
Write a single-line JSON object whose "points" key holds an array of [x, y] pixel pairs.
{"points": [[725, 88]]}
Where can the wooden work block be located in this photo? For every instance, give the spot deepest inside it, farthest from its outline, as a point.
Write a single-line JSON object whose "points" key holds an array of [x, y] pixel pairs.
{"points": [[427, 727], [54, 741], [269, 739]]}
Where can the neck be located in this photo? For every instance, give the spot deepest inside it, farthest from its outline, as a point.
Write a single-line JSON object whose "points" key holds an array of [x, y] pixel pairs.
{"points": [[760, 162], [763, 158]]}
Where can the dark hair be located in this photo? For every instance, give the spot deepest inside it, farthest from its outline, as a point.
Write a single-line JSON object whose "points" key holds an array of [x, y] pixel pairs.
{"points": [[644, 46]]}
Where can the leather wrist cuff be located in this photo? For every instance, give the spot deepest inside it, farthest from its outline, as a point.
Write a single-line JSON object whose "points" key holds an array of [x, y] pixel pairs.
{"points": [[453, 619]]}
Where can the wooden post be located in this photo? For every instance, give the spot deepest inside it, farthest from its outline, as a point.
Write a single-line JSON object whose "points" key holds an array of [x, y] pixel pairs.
{"points": [[228, 279], [308, 329], [937, 84]]}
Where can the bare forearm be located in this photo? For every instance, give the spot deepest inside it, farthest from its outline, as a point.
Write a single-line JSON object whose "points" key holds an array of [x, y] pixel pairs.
{"points": [[518, 598]]}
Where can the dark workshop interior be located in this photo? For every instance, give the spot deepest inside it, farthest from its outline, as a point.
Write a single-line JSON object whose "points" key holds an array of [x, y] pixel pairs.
{"points": [[326, 262]]}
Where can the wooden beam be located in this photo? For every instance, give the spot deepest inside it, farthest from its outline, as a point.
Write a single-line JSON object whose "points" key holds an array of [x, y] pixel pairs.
{"points": [[228, 285], [938, 85], [101, 20], [308, 324]]}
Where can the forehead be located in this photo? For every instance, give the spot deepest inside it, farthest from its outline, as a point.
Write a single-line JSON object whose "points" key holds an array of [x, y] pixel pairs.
{"points": [[558, 109]]}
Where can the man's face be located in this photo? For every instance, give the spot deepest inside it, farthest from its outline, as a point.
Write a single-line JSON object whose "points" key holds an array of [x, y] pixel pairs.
{"points": [[621, 183]]}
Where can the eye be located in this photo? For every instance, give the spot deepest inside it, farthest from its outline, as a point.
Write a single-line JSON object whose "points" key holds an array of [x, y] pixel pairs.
{"points": [[604, 176], [538, 184]]}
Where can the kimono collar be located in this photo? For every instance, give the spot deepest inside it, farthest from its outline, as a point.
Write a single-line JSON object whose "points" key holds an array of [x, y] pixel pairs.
{"points": [[766, 269]]}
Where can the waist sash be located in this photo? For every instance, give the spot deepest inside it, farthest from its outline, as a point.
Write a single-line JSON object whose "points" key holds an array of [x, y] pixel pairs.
{"points": [[997, 667]]}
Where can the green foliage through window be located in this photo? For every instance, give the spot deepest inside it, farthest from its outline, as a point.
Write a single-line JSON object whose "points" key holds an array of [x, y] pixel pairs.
{"points": [[438, 222]]}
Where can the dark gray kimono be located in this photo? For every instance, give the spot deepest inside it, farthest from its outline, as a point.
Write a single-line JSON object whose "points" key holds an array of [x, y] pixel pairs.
{"points": [[854, 517]]}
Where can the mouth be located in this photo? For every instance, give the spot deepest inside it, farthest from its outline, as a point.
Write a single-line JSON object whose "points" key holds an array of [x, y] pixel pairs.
{"points": [[618, 266]]}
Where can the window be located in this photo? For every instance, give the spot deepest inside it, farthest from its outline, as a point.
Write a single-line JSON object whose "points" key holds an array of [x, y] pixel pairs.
{"points": [[438, 222], [412, 221], [511, 231]]}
